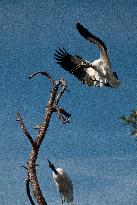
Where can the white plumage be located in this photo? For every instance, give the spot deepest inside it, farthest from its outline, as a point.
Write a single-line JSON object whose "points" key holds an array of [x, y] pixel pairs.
{"points": [[63, 184], [96, 74]]}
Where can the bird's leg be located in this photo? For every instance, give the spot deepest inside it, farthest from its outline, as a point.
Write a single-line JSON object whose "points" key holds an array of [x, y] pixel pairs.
{"points": [[61, 198], [61, 202]]}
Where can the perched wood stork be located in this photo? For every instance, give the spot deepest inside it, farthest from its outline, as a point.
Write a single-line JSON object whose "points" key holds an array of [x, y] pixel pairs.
{"points": [[96, 74], [63, 184]]}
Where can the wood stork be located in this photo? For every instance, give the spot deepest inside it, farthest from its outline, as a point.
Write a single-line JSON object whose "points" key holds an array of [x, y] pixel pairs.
{"points": [[63, 184], [96, 74]]}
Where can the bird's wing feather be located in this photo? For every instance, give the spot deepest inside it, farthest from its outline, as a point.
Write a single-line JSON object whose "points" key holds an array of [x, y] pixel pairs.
{"points": [[67, 189], [93, 39], [74, 65], [67, 61]]}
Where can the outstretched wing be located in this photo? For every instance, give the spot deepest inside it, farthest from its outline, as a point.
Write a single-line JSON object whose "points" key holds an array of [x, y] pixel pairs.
{"points": [[93, 39], [67, 61], [78, 67], [73, 64]]}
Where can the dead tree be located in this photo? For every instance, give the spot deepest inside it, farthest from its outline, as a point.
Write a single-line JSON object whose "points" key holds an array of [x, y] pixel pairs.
{"points": [[59, 87]]}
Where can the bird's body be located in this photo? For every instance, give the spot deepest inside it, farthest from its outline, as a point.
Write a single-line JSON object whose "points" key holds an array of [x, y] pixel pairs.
{"points": [[63, 184], [98, 73]]}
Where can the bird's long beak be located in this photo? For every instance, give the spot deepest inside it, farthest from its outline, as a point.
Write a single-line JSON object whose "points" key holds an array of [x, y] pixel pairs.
{"points": [[48, 161]]}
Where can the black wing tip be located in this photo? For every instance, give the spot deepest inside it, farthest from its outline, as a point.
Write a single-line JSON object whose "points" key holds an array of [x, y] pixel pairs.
{"points": [[86, 34], [79, 26], [62, 58], [84, 31], [61, 52]]}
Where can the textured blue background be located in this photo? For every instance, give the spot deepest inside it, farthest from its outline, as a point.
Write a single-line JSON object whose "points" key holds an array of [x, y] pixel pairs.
{"points": [[95, 148]]}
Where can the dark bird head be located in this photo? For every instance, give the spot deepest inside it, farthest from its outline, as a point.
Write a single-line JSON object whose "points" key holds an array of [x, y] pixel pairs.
{"points": [[52, 167]]}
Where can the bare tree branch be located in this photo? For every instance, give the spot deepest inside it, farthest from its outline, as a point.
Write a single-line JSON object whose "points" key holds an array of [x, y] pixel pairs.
{"points": [[24, 167], [37, 127], [52, 106], [68, 115], [20, 120], [63, 115], [28, 186], [28, 190], [36, 165], [42, 73]]}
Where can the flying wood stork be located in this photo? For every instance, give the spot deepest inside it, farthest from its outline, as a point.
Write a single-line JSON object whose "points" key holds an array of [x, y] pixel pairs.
{"points": [[96, 74], [63, 184]]}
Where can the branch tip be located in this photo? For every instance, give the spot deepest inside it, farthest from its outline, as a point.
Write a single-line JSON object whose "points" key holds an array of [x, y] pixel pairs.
{"points": [[37, 127], [24, 167], [45, 73]]}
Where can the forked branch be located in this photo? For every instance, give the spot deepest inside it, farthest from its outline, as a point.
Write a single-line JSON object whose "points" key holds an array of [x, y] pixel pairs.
{"points": [[25, 131], [63, 115], [28, 190], [52, 106], [28, 186], [42, 73]]}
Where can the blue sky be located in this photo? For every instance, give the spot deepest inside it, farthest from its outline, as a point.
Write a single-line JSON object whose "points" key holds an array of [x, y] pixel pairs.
{"points": [[95, 148]]}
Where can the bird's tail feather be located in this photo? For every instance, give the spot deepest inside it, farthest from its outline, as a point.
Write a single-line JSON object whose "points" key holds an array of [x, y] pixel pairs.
{"points": [[114, 82]]}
